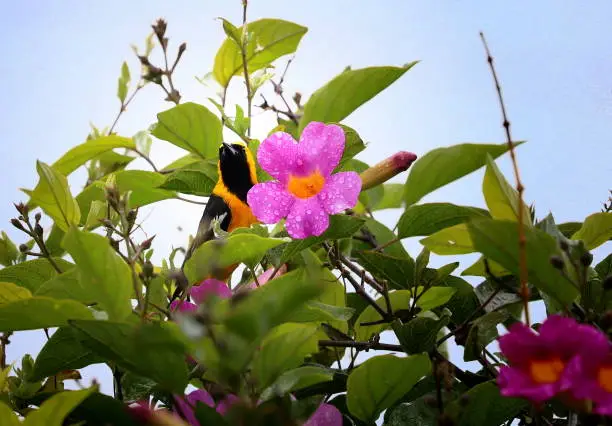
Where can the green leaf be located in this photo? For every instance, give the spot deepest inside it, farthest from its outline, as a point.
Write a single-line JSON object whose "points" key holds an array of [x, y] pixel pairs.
{"points": [[596, 230], [192, 127], [151, 350], [604, 268], [398, 272], [7, 416], [53, 195], [453, 240], [420, 334], [8, 251], [10, 292], [122, 84], [498, 240], [416, 413], [102, 410], [444, 165], [340, 226], [283, 348], [53, 411], [427, 219], [237, 248], [195, 182], [231, 31], [183, 162], [486, 406], [353, 145], [97, 211], [267, 40], [295, 379], [400, 300], [464, 302], [348, 91], [33, 273], [479, 269], [483, 331], [380, 235], [380, 381], [137, 388], [434, 297], [569, 228], [63, 351], [102, 272], [501, 198], [393, 198], [40, 312], [321, 312], [80, 154]]}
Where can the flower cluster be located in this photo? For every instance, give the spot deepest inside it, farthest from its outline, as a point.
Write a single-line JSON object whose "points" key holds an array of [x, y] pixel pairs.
{"points": [[305, 191], [564, 358]]}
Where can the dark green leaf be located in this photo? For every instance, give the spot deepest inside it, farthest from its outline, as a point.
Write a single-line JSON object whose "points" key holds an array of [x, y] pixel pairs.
{"points": [[380, 235], [604, 268], [398, 272], [33, 273], [348, 91], [426, 219], [53, 411], [569, 228], [498, 240], [209, 416], [137, 388], [340, 226], [151, 350], [596, 230], [63, 351], [444, 165], [267, 40], [40, 312], [102, 410], [464, 302], [400, 300], [296, 379], [486, 406], [416, 413], [195, 182], [102, 272], [353, 145], [482, 332], [284, 348], [380, 381], [420, 334], [192, 127]]}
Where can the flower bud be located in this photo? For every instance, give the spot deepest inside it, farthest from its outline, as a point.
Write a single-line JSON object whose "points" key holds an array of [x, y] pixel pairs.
{"points": [[557, 262], [17, 224], [386, 169], [37, 216], [586, 259], [23, 248], [148, 269], [564, 246], [38, 229]]}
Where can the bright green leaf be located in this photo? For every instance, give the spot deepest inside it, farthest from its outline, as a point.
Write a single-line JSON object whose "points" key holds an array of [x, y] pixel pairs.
{"points": [[267, 40], [501, 198], [596, 230], [66, 285], [393, 198], [53, 411], [426, 219], [498, 240], [479, 269], [80, 154], [353, 145], [10, 292], [53, 195], [380, 381], [8, 251], [434, 297], [444, 165], [348, 91], [283, 348], [192, 127], [144, 187], [7, 416], [122, 84], [40, 312], [453, 240], [103, 273], [97, 211], [33, 273]]}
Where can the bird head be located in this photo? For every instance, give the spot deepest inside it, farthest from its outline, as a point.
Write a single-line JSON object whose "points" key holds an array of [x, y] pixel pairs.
{"points": [[237, 168]]}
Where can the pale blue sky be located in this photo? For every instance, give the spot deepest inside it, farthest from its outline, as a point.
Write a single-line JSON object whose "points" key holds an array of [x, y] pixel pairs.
{"points": [[61, 61]]}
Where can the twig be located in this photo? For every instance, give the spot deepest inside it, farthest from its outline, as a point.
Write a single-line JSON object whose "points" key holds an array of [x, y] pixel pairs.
{"points": [[523, 275], [371, 281], [255, 277], [146, 158], [123, 108], [4, 342], [245, 65], [362, 346], [387, 244], [178, 197]]}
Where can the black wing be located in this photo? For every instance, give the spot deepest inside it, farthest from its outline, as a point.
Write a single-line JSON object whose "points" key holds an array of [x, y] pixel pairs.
{"points": [[215, 208]]}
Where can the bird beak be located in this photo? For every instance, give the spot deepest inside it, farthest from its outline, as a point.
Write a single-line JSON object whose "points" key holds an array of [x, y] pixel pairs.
{"points": [[230, 149]]}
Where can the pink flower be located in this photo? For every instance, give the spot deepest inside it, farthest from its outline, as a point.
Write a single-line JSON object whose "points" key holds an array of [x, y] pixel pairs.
{"points": [[326, 415], [200, 293], [186, 405], [591, 376], [306, 192], [265, 277], [539, 363]]}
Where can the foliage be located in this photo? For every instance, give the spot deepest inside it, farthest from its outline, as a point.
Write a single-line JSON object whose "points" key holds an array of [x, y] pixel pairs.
{"points": [[271, 354]]}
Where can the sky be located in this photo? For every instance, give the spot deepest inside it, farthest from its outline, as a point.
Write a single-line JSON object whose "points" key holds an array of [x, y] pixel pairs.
{"points": [[60, 63]]}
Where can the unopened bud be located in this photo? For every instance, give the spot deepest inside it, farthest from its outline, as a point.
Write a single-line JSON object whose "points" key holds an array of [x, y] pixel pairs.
{"points": [[38, 230], [146, 244], [586, 259], [159, 28], [148, 269], [386, 169], [23, 248], [564, 246], [131, 217], [297, 98], [38, 216], [23, 209], [181, 50], [17, 224], [557, 262]]}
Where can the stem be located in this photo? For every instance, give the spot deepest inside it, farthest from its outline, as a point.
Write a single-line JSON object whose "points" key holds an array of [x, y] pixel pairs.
{"points": [[255, 277], [4, 342], [245, 64], [522, 241], [40, 242], [123, 107], [387, 244], [371, 281], [117, 380], [360, 345], [146, 158], [178, 197]]}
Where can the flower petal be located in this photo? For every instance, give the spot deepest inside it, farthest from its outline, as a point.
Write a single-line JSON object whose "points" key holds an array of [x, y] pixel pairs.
{"points": [[340, 192], [520, 344], [325, 415], [187, 404], [306, 218], [226, 403], [321, 146], [265, 277], [182, 306], [514, 382], [269, 201], [208, 287], [277, 155], [567, 337]]}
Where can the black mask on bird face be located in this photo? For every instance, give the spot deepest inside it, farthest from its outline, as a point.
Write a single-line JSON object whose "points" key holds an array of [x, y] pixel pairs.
{"points": [[237, 168]]}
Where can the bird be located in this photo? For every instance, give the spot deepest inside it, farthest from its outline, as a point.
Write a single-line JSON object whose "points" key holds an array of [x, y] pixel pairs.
{"points": [[228, 200]]}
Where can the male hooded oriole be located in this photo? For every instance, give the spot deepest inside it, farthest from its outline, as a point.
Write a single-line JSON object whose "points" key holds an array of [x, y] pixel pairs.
{"points": [[237, 174]]}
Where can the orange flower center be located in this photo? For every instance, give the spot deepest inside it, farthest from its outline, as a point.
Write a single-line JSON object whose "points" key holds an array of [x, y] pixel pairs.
{"points": [[546, 370], [604, 377], [306, 186]]}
